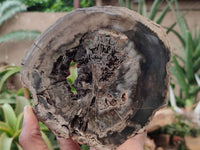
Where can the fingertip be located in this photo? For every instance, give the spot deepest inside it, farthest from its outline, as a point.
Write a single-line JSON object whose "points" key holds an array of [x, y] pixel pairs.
{"points": [[27, 108], [27, 111], [136, 142], [30, 121]]}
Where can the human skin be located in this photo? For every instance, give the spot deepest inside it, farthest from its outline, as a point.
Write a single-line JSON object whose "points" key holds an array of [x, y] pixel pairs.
{"points": [[31, 138]]}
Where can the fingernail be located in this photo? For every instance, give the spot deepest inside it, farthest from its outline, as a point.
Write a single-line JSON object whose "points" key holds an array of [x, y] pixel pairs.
{"points": [[26, 111]]}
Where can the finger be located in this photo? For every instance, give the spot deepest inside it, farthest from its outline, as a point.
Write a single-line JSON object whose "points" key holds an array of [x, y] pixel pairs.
{"points": [[140, 138], [134, 143], [68, 144], [30, 137]]}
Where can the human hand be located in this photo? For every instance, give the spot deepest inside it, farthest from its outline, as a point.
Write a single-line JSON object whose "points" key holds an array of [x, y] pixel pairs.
{"points": [[31, 138]]}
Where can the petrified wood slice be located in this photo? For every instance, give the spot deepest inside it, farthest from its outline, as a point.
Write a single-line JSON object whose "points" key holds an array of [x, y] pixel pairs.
{"points": [[122, 63]]}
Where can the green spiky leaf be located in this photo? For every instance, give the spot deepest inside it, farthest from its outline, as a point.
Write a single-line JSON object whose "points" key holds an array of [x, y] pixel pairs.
{"points": [[164, 12], [154, 9], [10, 8], [196, 53], [21, 102], [12, 70], [196, 65], [4, 127], [188, 58], [18, 146], [19, 35], [128, 4], [121, 3], [9, 101], [9, 115], [140, 7], [5, 142], [180, 76], [181, 39], [18, 123]]}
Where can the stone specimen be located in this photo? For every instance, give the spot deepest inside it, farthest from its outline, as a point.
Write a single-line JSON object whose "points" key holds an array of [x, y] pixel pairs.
{"points": [[122, 79]]}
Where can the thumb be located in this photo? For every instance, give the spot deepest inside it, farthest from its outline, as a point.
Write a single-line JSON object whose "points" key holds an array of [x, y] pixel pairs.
{"points": [[68, 144], [30, 137], [136, 142]]}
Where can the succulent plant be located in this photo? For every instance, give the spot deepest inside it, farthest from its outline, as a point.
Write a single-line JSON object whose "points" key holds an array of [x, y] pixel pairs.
{"points": [[98, 75]]}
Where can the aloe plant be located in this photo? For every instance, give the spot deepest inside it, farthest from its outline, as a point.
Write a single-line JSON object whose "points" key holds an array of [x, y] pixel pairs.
{"points": [[153, 14], [10, 127], [6, 72], [8, 9], [19, 35], [12, 104], [185, 69]]}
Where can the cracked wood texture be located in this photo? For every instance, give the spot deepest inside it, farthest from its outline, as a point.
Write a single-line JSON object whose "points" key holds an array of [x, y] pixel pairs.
{"points": [[122, 64]]}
